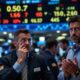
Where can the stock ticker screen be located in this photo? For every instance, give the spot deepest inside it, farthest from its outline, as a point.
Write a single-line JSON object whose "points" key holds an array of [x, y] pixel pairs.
{"points": [[37, 11]]}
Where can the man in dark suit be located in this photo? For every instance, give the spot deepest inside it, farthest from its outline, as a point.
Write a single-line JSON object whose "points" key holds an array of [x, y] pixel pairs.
{"points": [[49, 54], [36, 68]]}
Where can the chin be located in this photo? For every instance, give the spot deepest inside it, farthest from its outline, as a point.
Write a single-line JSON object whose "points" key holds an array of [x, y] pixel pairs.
{"points": [[75, 40]]}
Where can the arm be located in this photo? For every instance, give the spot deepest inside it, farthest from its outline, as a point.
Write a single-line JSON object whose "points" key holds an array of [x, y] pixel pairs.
{"points": [[11, 72], [7, 73]]}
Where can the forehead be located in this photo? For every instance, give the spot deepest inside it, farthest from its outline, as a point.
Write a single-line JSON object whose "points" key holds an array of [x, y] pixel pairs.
{"points": [[23, 35], [74, 24]]}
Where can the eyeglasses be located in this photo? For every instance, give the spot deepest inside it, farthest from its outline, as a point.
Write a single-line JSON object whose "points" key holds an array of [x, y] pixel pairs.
{"points": [[25, 39], [75, 29]]}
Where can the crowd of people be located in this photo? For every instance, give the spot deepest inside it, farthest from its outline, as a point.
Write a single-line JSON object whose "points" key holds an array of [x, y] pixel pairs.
{"points": [[23, 63]]}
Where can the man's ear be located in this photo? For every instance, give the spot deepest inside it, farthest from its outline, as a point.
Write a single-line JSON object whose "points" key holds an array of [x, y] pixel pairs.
{"points": [[15, 43]]}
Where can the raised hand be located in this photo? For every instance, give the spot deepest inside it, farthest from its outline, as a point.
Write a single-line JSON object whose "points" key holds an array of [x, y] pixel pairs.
{"points": [[22, 52], [69, 67]]}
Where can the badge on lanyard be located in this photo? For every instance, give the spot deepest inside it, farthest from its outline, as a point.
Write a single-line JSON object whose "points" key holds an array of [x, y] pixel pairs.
{"points": [[37, 69], [53, 64]]}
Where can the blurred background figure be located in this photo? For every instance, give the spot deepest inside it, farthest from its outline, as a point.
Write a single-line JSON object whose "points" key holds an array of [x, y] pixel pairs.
{"points": [[49, 55], [12, 47], [65, 47]]}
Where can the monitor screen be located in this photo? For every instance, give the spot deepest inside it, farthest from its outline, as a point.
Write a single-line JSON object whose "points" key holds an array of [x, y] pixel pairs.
{"points": [[37, 11]]}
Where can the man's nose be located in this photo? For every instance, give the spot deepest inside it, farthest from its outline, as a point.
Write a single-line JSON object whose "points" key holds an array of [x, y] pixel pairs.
{"points": [[74, 35]]}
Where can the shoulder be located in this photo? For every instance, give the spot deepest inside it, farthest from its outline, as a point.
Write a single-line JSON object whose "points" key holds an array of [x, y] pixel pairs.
{"points": [[6, 60]]}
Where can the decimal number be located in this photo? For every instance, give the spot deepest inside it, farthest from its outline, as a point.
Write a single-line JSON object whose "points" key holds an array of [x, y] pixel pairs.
{"points": [[36, 20], [67, 13], [15, 15], [16, 8]]}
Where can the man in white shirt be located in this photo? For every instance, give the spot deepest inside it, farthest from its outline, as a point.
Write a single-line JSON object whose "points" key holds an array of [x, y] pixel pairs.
{"points": [[71, 65]]}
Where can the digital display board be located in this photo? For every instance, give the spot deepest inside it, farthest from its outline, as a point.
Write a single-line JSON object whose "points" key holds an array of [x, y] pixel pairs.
{"points": [[37, 11]]}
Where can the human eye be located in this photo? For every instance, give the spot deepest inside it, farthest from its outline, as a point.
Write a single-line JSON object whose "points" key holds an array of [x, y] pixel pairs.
{"points": [[77, 28], [29, 39], [71, 29]]}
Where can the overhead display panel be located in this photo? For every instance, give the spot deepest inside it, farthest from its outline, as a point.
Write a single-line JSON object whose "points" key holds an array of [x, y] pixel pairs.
{"points": [[37, 11]]}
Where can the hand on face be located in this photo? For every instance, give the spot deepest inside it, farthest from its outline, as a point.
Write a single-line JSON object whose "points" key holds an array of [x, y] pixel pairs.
{"points": [[22, 47], [22, 52], [69, 67]]}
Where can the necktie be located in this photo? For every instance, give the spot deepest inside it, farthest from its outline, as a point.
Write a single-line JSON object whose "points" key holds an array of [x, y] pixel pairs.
{"points": [[24, 72]]}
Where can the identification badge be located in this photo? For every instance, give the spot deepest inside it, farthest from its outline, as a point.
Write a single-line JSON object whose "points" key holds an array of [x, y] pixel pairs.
{"points": [[48, 68], [37, 69], [54, 65], [1, 67]]}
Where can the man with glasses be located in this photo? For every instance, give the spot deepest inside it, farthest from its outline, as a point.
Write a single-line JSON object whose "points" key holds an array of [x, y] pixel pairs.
{"points": [[22, 63]]}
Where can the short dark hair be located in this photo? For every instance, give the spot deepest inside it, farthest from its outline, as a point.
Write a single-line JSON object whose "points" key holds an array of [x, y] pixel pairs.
{"points": [[63, 41], [25, 31], [50, 42], [74, 19]]}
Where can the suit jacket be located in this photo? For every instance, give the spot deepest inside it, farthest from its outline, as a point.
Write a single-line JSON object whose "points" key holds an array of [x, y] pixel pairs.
{"points": [[52, 63], [37, 69]]}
